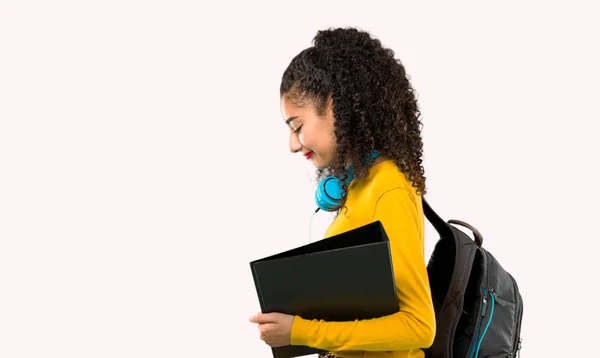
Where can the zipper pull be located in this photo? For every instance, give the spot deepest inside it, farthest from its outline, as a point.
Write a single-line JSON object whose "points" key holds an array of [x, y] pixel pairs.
{"points": [[498, 299], [484, 305]]}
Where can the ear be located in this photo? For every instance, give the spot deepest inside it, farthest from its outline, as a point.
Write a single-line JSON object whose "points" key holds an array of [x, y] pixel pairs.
{"points": [[329, 107]]}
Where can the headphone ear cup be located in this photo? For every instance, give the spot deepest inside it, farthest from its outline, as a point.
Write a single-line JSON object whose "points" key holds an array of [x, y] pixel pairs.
{"points": [[328, 194], [329, 191]]}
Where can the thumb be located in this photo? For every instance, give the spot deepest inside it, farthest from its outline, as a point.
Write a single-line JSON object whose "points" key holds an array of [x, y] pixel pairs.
{"points": [[264, 318]]}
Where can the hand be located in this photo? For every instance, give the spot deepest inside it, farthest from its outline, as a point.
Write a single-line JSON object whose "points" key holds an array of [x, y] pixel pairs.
{"points": [[275, 328]]}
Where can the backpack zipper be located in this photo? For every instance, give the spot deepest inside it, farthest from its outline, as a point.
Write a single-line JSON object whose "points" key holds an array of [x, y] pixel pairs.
{"points": [[496, 298], [478, 326], [493, 299]]}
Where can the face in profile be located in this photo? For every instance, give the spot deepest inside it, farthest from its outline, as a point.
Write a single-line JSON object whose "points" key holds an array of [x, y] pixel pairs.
{"points": [[310, 134]]}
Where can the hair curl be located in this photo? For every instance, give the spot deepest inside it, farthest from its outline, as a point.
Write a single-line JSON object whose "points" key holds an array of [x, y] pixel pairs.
{"points": [[374, 104]]}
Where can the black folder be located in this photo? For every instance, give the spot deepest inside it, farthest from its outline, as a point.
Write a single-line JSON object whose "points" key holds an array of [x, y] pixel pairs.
{"points": [[342, 278]]}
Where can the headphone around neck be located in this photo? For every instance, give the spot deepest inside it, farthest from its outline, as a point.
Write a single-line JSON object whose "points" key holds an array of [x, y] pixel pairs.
{"points": [[328, 195]]}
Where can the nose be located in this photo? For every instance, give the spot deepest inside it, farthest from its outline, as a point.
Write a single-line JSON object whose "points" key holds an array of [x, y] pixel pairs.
{"points": [[295, 145]]}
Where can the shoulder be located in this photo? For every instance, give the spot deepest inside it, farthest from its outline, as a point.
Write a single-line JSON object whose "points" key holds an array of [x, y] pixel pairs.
{"points": [[385, 194], [386, 178]]}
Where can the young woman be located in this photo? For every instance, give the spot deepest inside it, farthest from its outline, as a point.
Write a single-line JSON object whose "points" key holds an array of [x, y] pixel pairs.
{"points": [[348, 103]]}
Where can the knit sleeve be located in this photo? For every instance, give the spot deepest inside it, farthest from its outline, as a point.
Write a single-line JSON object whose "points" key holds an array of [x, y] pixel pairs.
{"points": [[413, 326]]}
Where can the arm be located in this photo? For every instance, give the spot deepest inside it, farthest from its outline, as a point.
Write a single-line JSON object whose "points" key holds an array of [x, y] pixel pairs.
{"points": [[413, 326]]}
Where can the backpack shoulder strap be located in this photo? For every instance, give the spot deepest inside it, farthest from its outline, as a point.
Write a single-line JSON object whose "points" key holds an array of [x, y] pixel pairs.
{"points": [[449, 269], [438, 223], [443, 227]]}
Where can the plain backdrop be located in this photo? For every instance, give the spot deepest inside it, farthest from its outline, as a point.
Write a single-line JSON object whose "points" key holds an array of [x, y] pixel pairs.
{"points": [[144, 162]]}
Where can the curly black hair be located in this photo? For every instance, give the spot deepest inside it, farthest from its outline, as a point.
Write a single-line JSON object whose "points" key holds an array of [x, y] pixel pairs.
{"points": [[374, 105]]}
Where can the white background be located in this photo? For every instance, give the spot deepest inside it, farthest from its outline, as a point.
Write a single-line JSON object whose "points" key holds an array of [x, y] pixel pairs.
{"points": [[144, 162]]}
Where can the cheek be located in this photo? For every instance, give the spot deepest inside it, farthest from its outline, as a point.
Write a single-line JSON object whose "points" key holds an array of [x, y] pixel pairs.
{"points": [[318, 138], [307, 137]]}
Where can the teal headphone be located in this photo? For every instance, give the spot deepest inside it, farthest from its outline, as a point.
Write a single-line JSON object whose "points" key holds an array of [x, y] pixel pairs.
{"points": [[329, 191]]}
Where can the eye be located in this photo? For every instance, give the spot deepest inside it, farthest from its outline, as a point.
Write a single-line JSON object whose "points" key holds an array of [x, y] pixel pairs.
{"points": [[298, 130]]}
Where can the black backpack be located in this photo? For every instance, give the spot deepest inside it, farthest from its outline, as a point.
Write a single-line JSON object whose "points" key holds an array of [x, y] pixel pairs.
{"points": [[478, 306]]}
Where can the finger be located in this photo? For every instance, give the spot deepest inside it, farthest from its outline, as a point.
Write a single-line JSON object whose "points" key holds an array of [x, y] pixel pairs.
{"points": [[253, 317], [264, 318], [265, 328]]}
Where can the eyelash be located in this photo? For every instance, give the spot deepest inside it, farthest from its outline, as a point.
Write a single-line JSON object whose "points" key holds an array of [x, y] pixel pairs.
{"points": [[298, 130]]}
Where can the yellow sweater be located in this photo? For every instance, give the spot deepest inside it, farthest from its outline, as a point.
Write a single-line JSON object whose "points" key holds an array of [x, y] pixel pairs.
{"points": [[388, 196]]}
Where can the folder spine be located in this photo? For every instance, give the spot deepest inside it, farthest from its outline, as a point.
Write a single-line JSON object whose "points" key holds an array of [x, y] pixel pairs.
{"points": [[261, 300], [258, 290]]}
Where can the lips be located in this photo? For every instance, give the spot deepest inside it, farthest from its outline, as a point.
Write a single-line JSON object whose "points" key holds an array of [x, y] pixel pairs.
{"points": [[309, 155]]}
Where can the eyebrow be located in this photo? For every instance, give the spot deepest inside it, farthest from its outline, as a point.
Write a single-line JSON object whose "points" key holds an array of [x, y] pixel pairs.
{"points": [[287, 121]]}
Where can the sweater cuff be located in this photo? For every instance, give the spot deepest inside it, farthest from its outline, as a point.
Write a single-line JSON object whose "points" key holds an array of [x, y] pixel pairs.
{"points": [[300, 331]]}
